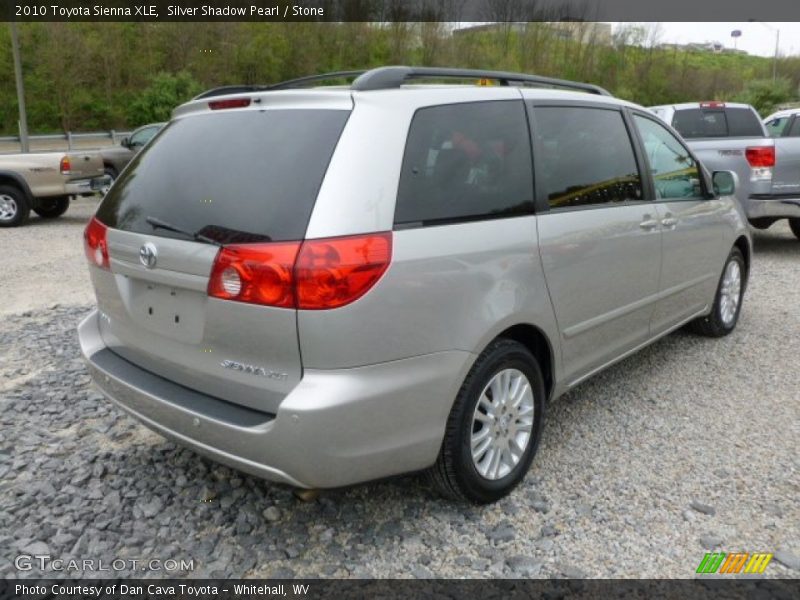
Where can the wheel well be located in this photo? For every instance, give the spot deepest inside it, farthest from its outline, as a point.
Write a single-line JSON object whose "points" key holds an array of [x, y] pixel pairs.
{"points": [[13, 182], [744, 248], [534, 340], [109, 165]]}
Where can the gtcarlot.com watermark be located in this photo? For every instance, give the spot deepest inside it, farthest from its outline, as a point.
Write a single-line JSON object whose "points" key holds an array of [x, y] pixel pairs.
{"points": [[44, 562]]}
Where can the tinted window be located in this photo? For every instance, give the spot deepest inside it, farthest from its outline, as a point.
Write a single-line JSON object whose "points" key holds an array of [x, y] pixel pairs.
{"points": [[776, 126], [466, 161], [697, 123], [141, 137], [234, 176], [675, 173], [743, 122], [795, 130], [586, 157]]}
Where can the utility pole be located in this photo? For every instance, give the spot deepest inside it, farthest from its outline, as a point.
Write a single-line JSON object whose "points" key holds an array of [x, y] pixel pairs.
{"points": [[777, 44], [23, 117], [775, 61]]}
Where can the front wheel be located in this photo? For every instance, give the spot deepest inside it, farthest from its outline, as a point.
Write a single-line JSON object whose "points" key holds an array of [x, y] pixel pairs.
{"points": [[14, 207], [50, 208], [494, 427], [728, 302], [794, 225]]}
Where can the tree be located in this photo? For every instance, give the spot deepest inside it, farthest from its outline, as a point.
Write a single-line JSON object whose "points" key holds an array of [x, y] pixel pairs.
{"points": [[166, 91], [765, 95]]}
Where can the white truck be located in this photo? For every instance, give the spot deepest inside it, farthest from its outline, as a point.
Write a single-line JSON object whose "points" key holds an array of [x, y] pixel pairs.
{"points": [[728, 136], [44, 182]]}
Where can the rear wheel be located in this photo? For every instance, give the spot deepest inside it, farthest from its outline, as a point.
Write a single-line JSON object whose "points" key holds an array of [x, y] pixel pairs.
{"points": [[494, 427], [794, 225], [50, 208], [14, 207], [728, 302]]}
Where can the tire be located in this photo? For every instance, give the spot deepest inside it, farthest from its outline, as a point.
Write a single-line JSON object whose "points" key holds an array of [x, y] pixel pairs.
{"points": [[50, 208], [794, 225], [456, 474], [14, 206], [721, 321]]}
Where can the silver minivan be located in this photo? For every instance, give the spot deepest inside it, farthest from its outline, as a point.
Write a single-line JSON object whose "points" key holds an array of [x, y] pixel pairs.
{"points": [[327, 285]]}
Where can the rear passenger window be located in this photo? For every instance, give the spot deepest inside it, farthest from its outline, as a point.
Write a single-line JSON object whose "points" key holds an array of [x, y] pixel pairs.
{"points": [[675, 172], [464, 162], [795, 129], [585, 157]]}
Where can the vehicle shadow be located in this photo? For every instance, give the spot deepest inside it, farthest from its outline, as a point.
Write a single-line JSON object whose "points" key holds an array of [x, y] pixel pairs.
{"points": [[778, 239], [66, 219]]}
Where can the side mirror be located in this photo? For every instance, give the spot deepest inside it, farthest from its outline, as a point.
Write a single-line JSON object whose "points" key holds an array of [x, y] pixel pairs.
{"points": [[725, 183], [125, 142]]}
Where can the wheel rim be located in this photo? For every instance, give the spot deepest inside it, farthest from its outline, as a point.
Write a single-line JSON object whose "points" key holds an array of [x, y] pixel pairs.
{"points": [[104, 189], [502, 424], [731, 292], [8, 207]]}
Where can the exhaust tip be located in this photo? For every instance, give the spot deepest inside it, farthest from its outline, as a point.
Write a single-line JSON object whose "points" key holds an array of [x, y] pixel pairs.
{"points": [[305, 495]]}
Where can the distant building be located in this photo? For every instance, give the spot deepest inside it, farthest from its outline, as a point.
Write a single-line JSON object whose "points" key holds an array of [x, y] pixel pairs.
{"points": [[713, 47], [581, 31]]}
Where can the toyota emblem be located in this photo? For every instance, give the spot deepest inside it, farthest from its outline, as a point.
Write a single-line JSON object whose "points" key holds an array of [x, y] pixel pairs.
{"points": [[148, 255]]}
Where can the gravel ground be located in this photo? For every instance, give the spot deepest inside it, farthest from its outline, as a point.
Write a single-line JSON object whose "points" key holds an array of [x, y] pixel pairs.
{"points": [[689, 446]]}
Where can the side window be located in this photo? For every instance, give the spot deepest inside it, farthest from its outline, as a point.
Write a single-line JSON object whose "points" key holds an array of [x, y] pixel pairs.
{"points": [[675, 172], [776, 126], [466, 161], [141, 137], [795, 130], [586, 157]]}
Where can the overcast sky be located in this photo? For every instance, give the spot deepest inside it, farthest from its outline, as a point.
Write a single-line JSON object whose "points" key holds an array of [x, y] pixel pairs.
{"points": [[756, 38]]}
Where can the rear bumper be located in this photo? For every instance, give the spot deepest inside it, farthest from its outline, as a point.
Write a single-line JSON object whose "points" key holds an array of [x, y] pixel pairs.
{"points": [[86, 186], [335, 428], [765, 206]]}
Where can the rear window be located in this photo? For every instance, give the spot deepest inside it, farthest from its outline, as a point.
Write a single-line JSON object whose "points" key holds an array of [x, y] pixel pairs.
{"points": [[234, 177], [743, 122], [697, 123], [717, 122]]}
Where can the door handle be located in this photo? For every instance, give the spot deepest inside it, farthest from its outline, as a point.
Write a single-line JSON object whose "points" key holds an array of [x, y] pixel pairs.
{"points": [[669, 222], [648, 223]]}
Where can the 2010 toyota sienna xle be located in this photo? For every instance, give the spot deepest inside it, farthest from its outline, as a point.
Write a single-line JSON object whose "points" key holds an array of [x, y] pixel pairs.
{"points": [[327, 285]]}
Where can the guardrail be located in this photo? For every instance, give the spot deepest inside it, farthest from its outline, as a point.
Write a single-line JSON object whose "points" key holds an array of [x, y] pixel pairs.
{"points": [[70, 137]]}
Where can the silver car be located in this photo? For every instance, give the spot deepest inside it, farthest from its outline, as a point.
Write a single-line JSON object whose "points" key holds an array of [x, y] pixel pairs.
{"points": [[327, 285]]}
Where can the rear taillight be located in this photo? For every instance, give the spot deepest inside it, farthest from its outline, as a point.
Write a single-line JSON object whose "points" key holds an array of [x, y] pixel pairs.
{"points": [[334, 272], [761, 159], [95, 245], [312, 275], [65, 165], [712, 104], [255, 273], [760, 156], [230, 103]]}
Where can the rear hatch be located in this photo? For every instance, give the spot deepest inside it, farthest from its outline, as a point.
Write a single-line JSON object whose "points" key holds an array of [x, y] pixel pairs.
{"points": [[235, 176]]}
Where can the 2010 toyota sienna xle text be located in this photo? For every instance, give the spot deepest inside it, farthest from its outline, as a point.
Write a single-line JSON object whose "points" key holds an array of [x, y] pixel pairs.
{"points": [[323, 286]]}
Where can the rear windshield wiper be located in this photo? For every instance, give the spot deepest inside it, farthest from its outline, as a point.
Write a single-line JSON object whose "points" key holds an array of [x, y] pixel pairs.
{"points": [[159, 224]]}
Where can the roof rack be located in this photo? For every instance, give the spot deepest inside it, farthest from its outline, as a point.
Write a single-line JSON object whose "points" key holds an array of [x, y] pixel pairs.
{"points": [[393, 77], [283, 85], [385, 78]]}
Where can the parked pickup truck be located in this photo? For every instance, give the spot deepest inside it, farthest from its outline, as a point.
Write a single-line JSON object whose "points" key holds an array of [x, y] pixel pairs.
{"points": [[731, 137], [44, 182]]}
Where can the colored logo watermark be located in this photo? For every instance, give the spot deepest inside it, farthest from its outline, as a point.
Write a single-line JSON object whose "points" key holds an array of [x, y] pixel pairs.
{"points": [[734, 562]]}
